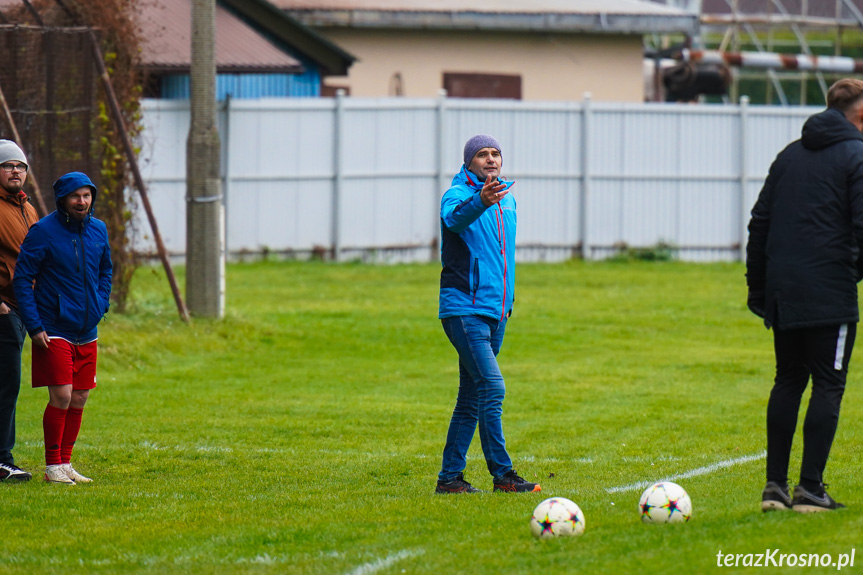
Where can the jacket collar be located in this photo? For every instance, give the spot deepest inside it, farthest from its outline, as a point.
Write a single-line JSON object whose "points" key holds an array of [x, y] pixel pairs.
{"points": [[67, 221], [469, 179], [18, 198]]}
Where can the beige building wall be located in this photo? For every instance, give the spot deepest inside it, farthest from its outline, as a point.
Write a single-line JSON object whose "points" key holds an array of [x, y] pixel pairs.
{"points": [[552, 66]]}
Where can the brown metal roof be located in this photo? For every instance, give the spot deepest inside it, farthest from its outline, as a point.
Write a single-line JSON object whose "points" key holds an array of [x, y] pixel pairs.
{"points": [[496, 7], [304, 41], [166, 27]]}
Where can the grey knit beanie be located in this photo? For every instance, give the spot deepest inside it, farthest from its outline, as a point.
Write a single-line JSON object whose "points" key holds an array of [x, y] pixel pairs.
{"points": [[477, 143], [10, 151]]}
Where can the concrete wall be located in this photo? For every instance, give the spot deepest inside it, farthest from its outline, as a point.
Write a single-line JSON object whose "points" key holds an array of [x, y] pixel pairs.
{"points": [[552, 67]]}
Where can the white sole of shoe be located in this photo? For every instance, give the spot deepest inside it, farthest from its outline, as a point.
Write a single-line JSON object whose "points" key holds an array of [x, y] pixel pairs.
{"points": [[773, 506], [15, 478], [810, 509]]}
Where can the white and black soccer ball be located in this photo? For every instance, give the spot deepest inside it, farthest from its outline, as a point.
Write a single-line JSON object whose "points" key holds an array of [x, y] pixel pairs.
{"points": [[665, 502], [556, 517]]}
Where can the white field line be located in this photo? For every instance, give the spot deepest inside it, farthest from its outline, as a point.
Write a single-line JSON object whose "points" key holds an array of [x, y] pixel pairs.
{"points": [[377, 565], [691, 473], [151, 446]]}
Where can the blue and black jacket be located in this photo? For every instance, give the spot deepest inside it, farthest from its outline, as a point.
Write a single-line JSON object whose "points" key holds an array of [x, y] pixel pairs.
{"points": [[63, 275], [477, 251]]}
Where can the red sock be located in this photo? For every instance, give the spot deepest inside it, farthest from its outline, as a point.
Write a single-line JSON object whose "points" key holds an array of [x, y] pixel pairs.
{"points": [[70, 433], [53, 422]]}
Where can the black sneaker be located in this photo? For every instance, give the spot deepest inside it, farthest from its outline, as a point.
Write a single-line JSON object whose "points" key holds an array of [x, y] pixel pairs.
{"points": [[457, 485], [9, 472], [808, 502], [512, 482], [775, 497]]}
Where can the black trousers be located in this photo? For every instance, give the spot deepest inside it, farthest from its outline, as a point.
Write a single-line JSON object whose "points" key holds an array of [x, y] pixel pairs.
{"points": [[822, 353], [12, 335]]}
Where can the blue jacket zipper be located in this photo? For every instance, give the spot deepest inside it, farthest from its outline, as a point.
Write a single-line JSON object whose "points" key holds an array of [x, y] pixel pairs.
{"points": [[475, 278], [501, 241]]}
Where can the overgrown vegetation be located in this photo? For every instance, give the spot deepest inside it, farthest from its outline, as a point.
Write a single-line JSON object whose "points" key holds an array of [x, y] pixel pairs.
{"points": [[96, 146], [120, 38], [661, 252]]}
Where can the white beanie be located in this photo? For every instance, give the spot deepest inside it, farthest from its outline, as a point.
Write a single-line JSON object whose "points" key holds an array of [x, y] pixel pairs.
{"points": [[9, 151]]}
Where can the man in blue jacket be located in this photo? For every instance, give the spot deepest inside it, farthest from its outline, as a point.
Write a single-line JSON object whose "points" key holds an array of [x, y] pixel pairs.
{"points": [[802, 267], [476, 296], [63, 284]]}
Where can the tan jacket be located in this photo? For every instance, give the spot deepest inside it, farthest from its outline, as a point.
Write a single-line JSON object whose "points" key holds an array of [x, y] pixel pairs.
{"points": [[16, 217]]}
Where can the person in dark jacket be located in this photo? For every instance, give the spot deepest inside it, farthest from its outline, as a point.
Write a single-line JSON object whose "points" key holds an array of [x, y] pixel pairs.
{"points": [[476, 297], [16, 217], [803, 263], [63, 285]]}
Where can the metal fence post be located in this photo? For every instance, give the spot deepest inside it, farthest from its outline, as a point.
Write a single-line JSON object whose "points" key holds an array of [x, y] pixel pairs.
{"points": [[337, 173], [226, 166], [585, 175], [573, 179], [744, 174], [441, 174]]}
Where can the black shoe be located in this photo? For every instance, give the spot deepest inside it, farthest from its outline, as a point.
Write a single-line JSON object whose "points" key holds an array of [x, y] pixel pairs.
{"points": [[808, 502], [775, 497], [9, 472], [512, 482], [457, 485]]}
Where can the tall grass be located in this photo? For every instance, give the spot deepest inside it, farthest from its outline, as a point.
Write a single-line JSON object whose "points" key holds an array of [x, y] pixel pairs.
{"points": [[303, 432]]}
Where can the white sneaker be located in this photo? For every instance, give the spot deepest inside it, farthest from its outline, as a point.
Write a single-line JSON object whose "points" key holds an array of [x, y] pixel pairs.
{"points": [[74, 475], [55, 474]]}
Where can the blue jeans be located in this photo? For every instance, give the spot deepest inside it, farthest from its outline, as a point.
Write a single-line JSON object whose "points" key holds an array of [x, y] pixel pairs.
{"points": [[11, 343], [480, 395]]}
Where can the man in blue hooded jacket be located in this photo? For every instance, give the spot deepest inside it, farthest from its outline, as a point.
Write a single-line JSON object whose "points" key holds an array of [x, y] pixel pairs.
{"points": [[63, 284], [476, 296]]}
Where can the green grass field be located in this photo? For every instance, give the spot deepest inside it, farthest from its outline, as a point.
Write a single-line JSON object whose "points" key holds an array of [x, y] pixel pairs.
{"points": [[303, 433]]}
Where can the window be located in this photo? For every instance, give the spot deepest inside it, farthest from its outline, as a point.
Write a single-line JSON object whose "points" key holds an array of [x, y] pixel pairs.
{"points": [[330, 91], [460, 85]]}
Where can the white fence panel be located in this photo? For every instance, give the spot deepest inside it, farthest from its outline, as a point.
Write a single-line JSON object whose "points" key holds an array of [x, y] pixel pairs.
{"points": [[362, 178], [388, 178]]}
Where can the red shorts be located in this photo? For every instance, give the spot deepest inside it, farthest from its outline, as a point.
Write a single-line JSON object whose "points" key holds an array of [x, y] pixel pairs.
{"points": [[63, 363]]}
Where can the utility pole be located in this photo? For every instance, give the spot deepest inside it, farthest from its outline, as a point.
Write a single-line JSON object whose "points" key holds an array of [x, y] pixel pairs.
{"points": [[205, 216]]}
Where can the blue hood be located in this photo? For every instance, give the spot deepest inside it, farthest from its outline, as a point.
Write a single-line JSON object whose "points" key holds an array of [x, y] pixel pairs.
{"points": [[71, 182]]}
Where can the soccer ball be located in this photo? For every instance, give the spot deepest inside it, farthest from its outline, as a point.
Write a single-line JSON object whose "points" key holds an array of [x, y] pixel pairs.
{"points": [[556, 517], [665, 502]]}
